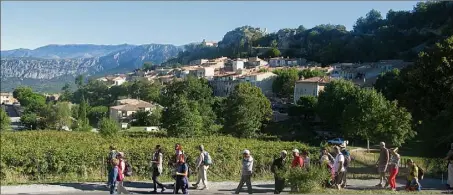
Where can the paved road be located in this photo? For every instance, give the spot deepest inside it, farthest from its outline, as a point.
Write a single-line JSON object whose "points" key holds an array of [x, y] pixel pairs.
{"points": [[260, 187]]}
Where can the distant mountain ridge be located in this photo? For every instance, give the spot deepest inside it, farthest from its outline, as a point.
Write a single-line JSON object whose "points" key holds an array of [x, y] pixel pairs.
{"points": [[57, 62]]}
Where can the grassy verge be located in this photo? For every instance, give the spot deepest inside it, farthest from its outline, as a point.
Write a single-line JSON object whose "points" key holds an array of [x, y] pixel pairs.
{"points": [[363, 165]]}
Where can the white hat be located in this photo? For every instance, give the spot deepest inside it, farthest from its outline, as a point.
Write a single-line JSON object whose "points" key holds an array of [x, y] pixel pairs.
{"points": [[295, 151], [284, 152], [246, 152]]}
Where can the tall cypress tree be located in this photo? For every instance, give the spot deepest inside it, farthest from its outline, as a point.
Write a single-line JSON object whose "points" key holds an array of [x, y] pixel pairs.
{"points": [[83, 119]]}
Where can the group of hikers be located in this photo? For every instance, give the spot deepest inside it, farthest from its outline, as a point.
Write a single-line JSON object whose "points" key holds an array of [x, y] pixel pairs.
{"points": [[388, 161]]}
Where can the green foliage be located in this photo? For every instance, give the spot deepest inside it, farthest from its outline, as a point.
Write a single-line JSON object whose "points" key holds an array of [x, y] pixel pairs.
{"points": [[60, 115], [199, 95], [370, 116], [333, 101], [148, 118], [246, 111], [108, 127], [364, 114], [147, 66], [82, 119], [283, 85], [308, 181], [145, 90], [182, 119], [95, 114], [53, 156], [273, 52], [307, 73], [306, 107], [32, 102], [5, 122], [390, 84], [30, 120], [67, 93], [95, 92], [79, 81], [400, 35], [21, 92]]}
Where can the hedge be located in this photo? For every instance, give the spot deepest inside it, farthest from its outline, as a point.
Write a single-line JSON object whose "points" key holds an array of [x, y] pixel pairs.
{"points": [[55, 156]]}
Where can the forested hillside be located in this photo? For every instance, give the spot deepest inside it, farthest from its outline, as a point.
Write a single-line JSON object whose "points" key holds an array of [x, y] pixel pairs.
{"points": [[398, 34]]}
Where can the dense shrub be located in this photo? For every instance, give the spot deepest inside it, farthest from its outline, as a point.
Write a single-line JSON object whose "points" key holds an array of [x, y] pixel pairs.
{"points": [[45, 156], [307, 181]]}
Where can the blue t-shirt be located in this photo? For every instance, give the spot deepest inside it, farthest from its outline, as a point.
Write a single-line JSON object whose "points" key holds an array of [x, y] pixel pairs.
{"points": [[182, 168]]}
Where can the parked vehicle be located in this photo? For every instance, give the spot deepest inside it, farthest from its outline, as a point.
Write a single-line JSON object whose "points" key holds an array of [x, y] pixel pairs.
{"points": [[338, 141]]}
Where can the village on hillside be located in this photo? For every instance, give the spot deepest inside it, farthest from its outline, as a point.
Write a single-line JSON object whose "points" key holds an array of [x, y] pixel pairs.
{"points": [[223, 74]]}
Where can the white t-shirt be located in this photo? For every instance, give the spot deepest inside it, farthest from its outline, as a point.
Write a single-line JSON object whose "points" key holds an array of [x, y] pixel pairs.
{"points": [[338, 159]]}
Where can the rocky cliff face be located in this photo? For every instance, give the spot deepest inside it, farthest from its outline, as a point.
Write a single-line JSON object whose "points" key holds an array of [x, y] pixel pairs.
{"points": [[59, 61]]}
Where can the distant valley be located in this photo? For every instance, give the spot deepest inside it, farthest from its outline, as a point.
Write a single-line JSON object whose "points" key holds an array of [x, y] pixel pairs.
{"points": [[49, 67]]}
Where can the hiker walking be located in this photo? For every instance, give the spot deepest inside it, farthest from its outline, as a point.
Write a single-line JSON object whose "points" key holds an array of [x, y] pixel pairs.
{"points": [[203, 162], [382, 164], [413, 177], [181, 175], [121, 170], [157, 168], [347, 161], [279, 165], [113, 175], [247, 170], [449, 158], [328, 160], [338, 166], [394, 164], [112, 155], [306, 159], [297, 160]]}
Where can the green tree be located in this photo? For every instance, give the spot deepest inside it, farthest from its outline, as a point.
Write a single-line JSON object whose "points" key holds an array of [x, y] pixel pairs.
{"points": [[182, 118], [390, 84], [274, 43], [79, 81], [96, 113], [32, 102], [82, 120], [370, 116], [307, 73], [333, 101], [62, 115], [283, 85], [307, 106], [145, 90], [272, 53], [108, 127], [148, 118], [199, 91], [30, 120], [5, 121], [67, 93], [147, 66], [429, 93], [246, 111], [22, 92]]}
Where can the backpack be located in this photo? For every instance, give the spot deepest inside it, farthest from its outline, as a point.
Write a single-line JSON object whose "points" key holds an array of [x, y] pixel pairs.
{"points": [[347, 158], [188, 171], [128, 169], [421, 173], [207, 159]]}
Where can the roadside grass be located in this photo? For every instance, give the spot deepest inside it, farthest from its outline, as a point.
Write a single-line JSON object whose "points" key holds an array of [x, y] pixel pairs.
{"points": [[363, 165], [372, 191]]}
